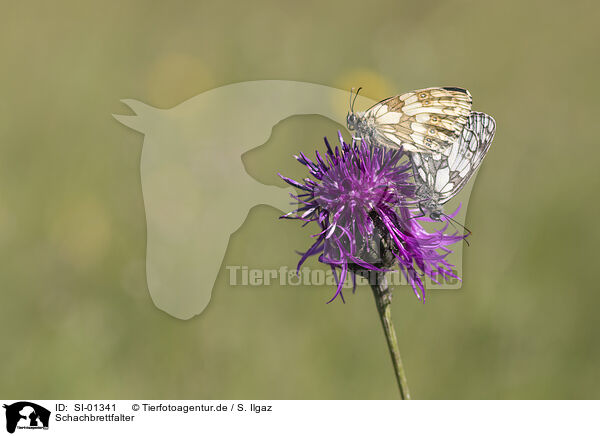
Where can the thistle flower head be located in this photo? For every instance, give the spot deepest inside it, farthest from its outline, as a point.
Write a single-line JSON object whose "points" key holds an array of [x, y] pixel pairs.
{"points": [[361, 198]]}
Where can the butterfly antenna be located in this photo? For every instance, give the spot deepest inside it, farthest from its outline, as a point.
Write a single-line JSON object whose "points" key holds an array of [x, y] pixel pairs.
{"points": [[355, 95], [350, 102], [453, 222]]}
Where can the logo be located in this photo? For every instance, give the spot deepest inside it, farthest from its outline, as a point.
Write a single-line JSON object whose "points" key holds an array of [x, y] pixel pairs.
{"points": [[26, 415]]}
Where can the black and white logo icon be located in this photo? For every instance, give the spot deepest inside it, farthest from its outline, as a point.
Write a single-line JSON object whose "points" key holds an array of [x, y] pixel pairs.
{"points": [[26, 415]]}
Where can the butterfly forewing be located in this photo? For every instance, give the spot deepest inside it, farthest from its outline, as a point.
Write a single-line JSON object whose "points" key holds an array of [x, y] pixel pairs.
{"points": [[427, 120]]}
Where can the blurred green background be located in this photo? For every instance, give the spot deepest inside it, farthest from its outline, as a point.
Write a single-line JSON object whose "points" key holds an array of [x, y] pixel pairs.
{"points": [[76, 319]]}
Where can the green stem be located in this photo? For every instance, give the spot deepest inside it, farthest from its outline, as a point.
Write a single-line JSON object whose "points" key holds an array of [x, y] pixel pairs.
{"points": [[383, 299]]}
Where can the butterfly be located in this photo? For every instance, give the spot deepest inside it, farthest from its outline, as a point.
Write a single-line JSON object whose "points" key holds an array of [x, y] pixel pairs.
{"points": [[439, 178], [427, 120], [445, 139]]}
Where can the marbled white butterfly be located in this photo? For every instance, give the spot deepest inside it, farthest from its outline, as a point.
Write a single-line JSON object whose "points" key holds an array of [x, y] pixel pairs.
{"points": [[446, 141], [427, 120], [439, 178]]}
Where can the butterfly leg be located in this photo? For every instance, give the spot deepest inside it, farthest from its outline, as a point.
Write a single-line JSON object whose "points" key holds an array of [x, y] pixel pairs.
{"points": [[422, 212]]}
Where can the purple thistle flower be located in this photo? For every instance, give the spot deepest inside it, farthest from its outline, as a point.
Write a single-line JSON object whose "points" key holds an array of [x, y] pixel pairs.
{"points": [[361, 198]]}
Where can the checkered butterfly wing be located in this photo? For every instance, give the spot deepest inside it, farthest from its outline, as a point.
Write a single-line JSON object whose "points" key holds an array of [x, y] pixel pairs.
{"points": [[427, 120], [445, 176]]}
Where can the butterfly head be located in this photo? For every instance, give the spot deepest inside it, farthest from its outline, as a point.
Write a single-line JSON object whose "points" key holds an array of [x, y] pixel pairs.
{"points": [[352, 120], [436, 215], [429, 205]]}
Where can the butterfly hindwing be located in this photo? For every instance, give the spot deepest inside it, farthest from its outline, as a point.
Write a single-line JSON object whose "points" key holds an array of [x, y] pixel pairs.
{"points": [[426, 120], [444, 176]]}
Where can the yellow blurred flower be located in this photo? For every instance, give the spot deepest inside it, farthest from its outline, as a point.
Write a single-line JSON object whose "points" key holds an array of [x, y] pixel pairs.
{"points": [[176, 77]]}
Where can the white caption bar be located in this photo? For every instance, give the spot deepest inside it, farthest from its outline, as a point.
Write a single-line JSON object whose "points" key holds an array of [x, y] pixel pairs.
{"points": [[298, 417]]}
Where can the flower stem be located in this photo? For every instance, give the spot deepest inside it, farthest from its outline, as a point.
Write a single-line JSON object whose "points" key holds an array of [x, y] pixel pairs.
{"points": [[383, 299]]}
